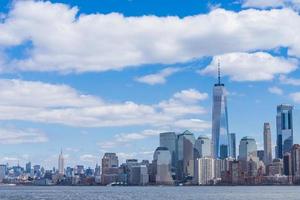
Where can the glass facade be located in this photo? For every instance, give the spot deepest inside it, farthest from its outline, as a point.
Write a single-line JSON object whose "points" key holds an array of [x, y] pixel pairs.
{"points": [[169, 140], [232, 140], [284, 123], [220, 132], [202, 147]]}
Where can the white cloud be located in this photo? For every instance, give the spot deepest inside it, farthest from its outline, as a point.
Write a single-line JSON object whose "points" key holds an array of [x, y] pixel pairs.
{"points": [[275, 90], [49, 103], [295, 97], [158, 78], [98, 42], [21, 136], [295, 4], [257, 66], [289, 81]]}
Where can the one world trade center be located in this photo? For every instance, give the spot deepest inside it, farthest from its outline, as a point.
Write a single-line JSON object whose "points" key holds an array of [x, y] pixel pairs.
{"points": [[220, 133]]}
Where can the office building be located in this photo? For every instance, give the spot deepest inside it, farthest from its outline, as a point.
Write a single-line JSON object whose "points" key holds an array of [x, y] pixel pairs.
{"points": [[110, 170], [202, 147], [284, 125], [61, 163], [232, 142], [162, 162], [204, 171], [267, 144], [220, 130], [169, 140]]}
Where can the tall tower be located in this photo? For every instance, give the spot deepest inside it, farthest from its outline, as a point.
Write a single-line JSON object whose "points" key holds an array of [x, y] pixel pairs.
{"points": [[61, 163], [220, 131], [284, 123], [267, 144]]}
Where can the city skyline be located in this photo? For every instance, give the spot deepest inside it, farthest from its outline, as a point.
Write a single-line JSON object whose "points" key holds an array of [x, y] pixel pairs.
{"points": [[86, 96]]}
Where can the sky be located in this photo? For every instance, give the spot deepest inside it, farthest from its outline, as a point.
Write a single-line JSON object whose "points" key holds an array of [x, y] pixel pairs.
{"points": [[110, 75]]}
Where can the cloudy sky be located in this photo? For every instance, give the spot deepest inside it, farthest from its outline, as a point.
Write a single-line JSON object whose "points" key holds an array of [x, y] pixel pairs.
{"points": [[109, 75]]}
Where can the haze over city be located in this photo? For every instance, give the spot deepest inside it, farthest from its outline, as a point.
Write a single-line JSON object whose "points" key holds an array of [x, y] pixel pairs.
{"points": [[95, 78]]}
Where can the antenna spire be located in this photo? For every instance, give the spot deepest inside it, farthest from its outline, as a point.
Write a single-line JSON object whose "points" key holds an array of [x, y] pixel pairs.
{"points": [[219, 73]]}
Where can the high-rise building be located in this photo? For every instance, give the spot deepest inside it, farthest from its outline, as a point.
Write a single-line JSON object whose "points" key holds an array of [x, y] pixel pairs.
{"points": [[28, 167], [61, 163], [185, 167], [162, 162], [3, 169], [287, 164], [247, 148], [261, 155], [296, 160], [202, 147], [247, 152], [284, 125], [110, 168], [204, 171], [220, 130], [267, 144], [169, 140], [232, 142]]}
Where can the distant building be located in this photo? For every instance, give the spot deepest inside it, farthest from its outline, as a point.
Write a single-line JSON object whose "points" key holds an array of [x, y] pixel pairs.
{"points": [[185, 168], [275, 168], [220, 131], [261, 155], [110, 170], [162, 162], [284, 125], [232, 141], [296, 161], [28, 168], [204, 171], [3, 169], [61, 163], [202, 147], [247, 151], [267, 144], [287, 164], [169, 140]]}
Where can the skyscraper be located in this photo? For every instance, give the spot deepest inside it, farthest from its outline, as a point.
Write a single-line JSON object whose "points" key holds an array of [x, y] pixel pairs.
{"points": [[267, 144], [296, 161], [247, 152], [169, 140], [162, 162], [185, 168], [232, 142], [220, 131], [61, 163], [284, 123], [202, 147], [110, 170]]}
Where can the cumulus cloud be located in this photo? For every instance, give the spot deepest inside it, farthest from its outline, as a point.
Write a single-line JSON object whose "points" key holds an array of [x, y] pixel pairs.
{"points": [[259, 66], [158, 78], [50, 103], [289, 81], [275, 90], [63, 40], [21, 136]]}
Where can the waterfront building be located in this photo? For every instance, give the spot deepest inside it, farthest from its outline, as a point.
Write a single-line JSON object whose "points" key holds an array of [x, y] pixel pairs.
{"points": [[61, 164], [162, 161], [185, 167], [169, 140], [287, 164], [247, 151], [232, 141], [110, 170], [204, 171], [28, 168], [284, 125], [267, 144], [220, 130], [275, 168], [202, 147], [3, 169], [296, 161], [139, 175]]}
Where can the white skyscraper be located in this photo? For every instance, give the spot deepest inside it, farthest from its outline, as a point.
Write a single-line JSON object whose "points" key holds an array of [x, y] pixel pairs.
{"points": [[61, 163], [220, 132]]}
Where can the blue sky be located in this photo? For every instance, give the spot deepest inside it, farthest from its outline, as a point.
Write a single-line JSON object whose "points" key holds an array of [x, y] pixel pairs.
{"points": [[109, 75]]}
